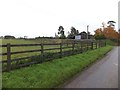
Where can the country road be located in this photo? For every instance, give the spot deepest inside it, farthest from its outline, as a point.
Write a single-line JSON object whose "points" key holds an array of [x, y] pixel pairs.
{"points": [[102, 74]]}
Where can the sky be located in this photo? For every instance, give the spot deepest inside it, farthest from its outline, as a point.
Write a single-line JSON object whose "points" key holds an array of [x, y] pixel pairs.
{"points": [[35, 18]]}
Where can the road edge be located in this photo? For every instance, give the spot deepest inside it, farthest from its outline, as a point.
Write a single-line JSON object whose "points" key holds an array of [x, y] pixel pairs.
{"points": [[84, 69]]}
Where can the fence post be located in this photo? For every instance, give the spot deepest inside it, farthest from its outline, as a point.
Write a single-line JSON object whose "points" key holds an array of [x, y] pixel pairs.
{"points": [[81, 47], [96, 44], [73, 46], [87, 45], [102, 43], [8, 57], [91, 45], [60, 50], [42, 51], [105, 42], [99, 43]]}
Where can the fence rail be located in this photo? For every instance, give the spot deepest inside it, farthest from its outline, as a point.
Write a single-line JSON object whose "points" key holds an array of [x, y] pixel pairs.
{"points": [[73, 48]]}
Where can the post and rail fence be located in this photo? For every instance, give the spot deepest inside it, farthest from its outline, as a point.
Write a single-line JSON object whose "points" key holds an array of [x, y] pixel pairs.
{"points": [[73, 47]]}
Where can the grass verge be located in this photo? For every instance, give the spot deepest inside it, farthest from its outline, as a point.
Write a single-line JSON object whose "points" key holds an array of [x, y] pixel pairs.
{"points": [[51, 74]]}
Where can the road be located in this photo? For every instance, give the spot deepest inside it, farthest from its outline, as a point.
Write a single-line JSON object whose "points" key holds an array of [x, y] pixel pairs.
{"points": [[102, 74]]}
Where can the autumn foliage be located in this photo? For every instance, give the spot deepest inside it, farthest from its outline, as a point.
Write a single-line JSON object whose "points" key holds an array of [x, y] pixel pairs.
{"points": [[107, 32]]}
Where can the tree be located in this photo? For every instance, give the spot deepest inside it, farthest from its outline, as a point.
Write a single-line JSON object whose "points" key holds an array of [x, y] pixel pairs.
{"points": [[98, 31], [9, 37], [73, 33], [100, 37], [61, 32], [56, 36], [25, 37], [109, 32], [111, 23]]}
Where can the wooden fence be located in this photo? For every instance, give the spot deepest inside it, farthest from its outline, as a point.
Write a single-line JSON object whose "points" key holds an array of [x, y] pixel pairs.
{"points": [[73, 48]]}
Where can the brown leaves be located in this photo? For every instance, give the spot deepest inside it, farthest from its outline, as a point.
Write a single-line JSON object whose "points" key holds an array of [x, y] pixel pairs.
{"points": [[108, 32]]}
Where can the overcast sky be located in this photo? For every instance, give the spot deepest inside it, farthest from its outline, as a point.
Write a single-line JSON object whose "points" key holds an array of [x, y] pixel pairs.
{"points": [[34, 18]]}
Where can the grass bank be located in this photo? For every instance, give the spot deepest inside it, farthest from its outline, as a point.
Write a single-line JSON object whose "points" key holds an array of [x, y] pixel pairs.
{"points": [[51, 74]]}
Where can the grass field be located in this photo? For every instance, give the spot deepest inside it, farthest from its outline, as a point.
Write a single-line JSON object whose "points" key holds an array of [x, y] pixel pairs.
{"points": [[24, 48], [51, 74]]}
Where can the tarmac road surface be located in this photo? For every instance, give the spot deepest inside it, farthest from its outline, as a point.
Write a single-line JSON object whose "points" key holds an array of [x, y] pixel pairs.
{"points": [[102, 74]]}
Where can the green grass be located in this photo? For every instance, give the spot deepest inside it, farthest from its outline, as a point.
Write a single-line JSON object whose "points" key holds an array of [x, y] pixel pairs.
{"points": [[109, 42], [51, 74]]}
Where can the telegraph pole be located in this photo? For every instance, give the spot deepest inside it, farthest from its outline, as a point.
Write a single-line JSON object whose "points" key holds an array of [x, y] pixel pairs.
{"points": [[87, 30]]}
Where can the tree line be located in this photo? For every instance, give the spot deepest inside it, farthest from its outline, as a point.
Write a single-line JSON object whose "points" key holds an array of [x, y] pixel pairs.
{"points": [[106, 32], [72, 33]]}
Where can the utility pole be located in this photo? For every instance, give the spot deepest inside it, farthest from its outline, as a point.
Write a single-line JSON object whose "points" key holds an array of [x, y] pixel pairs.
{"points": [[87, 30]]}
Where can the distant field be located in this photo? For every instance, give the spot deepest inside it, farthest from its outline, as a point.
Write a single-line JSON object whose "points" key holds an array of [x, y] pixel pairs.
{"points": [[16, 41], [23, 41], [5, 41]]}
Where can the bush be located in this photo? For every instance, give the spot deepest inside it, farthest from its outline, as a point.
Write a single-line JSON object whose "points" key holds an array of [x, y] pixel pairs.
{"points": [[100, 37]]}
